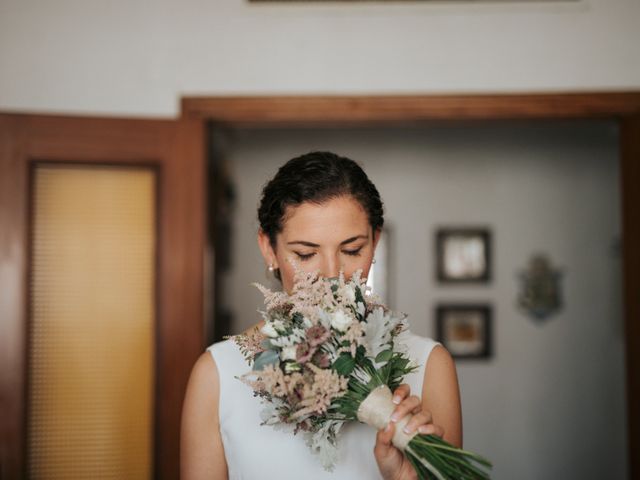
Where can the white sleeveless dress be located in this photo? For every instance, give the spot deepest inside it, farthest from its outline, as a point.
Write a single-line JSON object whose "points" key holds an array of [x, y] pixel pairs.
{"points": [[254, 451]]}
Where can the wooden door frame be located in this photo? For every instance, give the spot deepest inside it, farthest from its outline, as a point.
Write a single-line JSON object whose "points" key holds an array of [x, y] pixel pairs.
{"points": [[173, 149], [371, 110]]}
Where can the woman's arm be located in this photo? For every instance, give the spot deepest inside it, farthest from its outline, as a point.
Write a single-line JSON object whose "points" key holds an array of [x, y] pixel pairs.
{"points": [[437, 413], [201, 449], [441, 395]]}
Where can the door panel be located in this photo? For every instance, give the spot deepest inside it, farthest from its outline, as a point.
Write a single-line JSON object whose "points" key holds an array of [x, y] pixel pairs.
{"points": [[92, 323], [142, 237]]}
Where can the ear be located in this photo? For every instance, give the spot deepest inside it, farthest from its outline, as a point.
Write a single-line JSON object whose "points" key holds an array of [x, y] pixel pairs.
{"points": [[266, 249], [376, 237]]}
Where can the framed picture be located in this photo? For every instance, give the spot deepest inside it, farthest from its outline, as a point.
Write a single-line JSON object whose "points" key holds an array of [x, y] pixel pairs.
{"points": [[465, 329], [463, 255]]}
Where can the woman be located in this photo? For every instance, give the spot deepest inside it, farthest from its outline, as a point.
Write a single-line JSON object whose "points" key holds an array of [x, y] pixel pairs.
{"points": [[322, 213]]}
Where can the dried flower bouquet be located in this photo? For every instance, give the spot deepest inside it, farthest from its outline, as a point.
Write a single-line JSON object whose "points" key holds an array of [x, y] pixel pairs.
{"points": [[330, 353]]}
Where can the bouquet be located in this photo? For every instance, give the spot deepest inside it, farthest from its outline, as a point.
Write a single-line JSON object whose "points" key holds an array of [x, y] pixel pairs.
{"points": [[330, 353]]}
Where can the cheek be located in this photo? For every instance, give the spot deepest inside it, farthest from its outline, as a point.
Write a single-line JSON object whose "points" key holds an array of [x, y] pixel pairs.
{"points": [[287, 274], [359, 263]]}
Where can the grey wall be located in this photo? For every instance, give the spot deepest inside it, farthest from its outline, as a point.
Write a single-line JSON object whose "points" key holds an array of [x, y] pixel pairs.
{"points": [[550, 403]]}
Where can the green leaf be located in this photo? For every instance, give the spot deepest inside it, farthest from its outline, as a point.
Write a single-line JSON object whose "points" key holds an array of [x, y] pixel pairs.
{"points": [[268, 357], [359, 296], [345, 364], [384, 356]]}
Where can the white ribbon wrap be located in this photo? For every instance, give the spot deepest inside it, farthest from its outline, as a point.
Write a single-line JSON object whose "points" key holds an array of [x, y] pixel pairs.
{"points": [[376, 411]]}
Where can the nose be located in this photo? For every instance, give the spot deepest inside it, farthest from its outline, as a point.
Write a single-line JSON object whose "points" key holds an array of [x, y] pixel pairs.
{"points": [[331, 267]]}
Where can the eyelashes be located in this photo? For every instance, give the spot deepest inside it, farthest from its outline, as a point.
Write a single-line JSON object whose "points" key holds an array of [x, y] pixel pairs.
{"points": [[352, 253]]}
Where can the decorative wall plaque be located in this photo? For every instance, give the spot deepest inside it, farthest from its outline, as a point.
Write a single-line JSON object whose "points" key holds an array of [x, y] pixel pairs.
{"points": [[540, 289]]}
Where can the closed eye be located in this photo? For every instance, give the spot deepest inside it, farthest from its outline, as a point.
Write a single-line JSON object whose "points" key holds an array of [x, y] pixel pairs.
{"points": [[306, 256]]}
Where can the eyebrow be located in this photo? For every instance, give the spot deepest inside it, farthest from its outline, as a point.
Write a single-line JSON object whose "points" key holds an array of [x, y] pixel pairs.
{"points": [[315, 245]]}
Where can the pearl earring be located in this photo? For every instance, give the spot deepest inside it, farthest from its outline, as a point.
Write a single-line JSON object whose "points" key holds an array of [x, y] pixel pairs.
{"points": [[271, 267], [374, 260]]}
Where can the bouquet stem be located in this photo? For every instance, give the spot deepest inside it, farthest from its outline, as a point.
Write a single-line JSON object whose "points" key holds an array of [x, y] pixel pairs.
{"points": [[376, 411], [427, 453]]}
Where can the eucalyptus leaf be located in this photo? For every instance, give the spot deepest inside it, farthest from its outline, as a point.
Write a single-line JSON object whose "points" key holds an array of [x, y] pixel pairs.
{"points": [[268, 357]]}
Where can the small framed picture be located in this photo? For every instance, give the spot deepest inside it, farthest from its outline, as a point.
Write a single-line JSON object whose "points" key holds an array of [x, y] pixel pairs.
{"points": [[463, 255], [465, 329]]}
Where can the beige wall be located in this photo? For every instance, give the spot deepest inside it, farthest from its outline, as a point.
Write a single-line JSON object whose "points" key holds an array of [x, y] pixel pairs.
{"points": [[138, 58]]}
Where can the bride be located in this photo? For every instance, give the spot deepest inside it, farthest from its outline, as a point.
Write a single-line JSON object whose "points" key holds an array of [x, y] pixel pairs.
{"points": [[323, 213]]}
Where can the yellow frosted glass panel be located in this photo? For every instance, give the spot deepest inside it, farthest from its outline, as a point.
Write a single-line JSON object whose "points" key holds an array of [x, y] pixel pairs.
{"points": [[91, 352]]}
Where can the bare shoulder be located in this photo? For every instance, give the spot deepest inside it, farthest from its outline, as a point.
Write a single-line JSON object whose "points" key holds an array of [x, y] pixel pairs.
{"points": [[440, 361], [201, 449], [441, 393], [202, 397], [204, 376], [203, 392], [439, 373]]}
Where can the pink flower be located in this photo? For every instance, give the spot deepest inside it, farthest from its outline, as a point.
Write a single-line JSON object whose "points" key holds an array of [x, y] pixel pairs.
{"points": [[304, 352], [317, 335], [321, 360]]}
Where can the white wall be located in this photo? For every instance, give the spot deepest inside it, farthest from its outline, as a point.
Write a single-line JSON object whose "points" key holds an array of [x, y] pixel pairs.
{"points": [[550, 404], [138, 58]]}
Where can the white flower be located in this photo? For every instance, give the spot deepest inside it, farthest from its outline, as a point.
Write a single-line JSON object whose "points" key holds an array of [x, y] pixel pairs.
{"points": [[340, 320], [288, 353], [349, 293], [324, 318], [377, 331], [269, 331]]}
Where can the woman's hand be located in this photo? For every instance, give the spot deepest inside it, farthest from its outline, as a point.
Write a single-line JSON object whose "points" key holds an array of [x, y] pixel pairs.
{"points": [[392, 463]]}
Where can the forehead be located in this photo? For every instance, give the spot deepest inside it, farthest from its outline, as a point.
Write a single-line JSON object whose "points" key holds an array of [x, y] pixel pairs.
{"points": [[336, 219]]}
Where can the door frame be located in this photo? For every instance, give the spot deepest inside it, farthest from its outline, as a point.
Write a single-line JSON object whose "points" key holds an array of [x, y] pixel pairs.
{"points": [[175, 150], [396, 110]]}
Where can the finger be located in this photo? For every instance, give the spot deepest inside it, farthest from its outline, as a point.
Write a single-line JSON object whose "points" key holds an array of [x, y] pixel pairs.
{"points": [[411, 404], [401, 393], [420, 419], [431, 429], [383, 439]]}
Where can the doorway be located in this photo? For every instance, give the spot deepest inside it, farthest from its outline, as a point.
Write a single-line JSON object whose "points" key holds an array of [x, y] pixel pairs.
{"points": [[622, 109]]}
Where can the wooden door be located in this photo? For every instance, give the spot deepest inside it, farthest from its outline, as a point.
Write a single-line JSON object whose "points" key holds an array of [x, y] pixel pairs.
{"points": [[171, 155]]}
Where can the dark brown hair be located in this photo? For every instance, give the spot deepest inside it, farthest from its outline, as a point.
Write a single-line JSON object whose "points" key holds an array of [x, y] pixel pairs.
{"points": [[316, 177]]}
